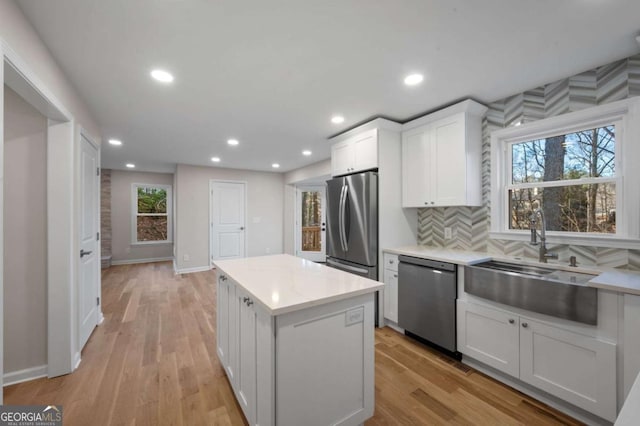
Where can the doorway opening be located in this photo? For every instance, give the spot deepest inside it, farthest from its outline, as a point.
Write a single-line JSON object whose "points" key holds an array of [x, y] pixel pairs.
{"points": [[311, 222]]}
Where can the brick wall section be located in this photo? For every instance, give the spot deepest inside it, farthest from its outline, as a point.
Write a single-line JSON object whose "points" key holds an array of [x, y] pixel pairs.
{"points": [[105, 217]]}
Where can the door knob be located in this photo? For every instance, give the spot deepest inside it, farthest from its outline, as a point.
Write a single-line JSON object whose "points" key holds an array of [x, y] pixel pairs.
{"points": [[249, 302], [242, 228], [245, 299], [525, 325], [511, 321], [85, 253]]}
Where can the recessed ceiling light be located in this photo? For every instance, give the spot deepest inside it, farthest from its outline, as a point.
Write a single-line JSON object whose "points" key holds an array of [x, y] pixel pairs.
{"points": [[337, 119], [306, 152], [215, 159], [115, 142], [130, 165], [162, 76], [275, 165], [413, 79], [233, 142]]}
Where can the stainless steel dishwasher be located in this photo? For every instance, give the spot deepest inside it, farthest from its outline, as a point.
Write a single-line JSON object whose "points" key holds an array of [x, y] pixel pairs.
{"points": [[427, 300]]}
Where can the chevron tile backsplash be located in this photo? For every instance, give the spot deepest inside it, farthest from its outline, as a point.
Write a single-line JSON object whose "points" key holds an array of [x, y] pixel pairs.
{"points": [[470, 225]]}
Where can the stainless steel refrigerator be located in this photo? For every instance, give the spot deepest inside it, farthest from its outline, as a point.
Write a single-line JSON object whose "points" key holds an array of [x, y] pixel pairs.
{"points": [[352, 224]]}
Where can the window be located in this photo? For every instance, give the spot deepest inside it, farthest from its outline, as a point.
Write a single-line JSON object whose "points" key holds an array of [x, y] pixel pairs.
{"points": [[574, 167], [151, 213]]}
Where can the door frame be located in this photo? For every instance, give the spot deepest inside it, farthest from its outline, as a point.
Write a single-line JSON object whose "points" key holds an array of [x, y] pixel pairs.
{"points": [[210, 225], [63, 356], [82, 133], [297, 232]]}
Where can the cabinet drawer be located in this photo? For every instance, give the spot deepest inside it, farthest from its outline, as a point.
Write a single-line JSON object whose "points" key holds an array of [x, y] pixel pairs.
{"points": [[391, 262]]}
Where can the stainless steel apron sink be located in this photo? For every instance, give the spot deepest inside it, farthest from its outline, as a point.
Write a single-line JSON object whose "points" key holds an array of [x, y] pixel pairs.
{"points": [[549, 291]]}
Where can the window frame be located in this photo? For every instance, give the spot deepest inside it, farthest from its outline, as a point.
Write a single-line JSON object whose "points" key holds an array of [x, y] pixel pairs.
{"points": [[625, 115], [134, 213]]}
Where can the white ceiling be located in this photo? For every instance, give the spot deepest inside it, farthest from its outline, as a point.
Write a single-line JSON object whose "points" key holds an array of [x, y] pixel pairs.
{"points": [[271, 73]]}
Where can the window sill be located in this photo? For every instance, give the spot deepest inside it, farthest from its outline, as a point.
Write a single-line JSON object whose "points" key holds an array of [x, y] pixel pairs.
{"points": [[575, 240], [151, 243]]}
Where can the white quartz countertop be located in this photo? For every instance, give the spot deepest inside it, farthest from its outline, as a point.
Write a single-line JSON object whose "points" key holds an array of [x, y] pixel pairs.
{"points": [[622, 281], [283, 283], [604, 278], [460, 257]]}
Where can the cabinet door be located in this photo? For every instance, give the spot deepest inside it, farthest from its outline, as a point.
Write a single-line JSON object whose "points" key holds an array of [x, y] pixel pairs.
{"points": [[222, 321], [448, 168], [365, 148], [391, 295], [246, 344], [490, 336], [573, 367], [226, 324], [342, 158], [416, 168]]}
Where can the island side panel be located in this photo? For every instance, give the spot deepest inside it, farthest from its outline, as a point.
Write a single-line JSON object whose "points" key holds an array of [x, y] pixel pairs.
{"points": [[325, 363]]}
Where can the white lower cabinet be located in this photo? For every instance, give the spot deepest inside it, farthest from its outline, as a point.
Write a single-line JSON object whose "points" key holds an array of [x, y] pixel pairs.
{"points": [[390, 279], [490, 336], [576, 368], [314, 366]]}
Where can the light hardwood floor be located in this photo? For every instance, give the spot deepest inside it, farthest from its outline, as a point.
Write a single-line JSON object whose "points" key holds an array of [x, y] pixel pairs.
{"points": [[153, 362]]}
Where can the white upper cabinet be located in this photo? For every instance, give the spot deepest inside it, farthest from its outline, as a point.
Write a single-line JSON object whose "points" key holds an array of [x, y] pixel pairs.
{"points": [[355, 154], [442, 158]]}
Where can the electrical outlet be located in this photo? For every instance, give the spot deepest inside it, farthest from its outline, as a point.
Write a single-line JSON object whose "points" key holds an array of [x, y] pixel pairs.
{"points": [[185, 258], [447, 233], [355, 316]]}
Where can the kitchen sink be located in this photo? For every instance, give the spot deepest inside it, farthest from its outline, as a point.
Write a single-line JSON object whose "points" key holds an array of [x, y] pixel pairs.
{"points": [[546, 290]]}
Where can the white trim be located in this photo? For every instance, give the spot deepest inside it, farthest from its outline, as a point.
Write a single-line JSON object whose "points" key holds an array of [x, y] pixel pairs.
{"points": [[25, 375], [137, 261], [134, 213], [210, 224], [626, 116], [77, 358], [191, 270]]}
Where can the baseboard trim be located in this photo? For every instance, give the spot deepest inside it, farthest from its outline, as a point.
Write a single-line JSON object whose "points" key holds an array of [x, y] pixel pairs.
{"points": [[136, 261], [190, 270], [76, 361], [24, 375]]}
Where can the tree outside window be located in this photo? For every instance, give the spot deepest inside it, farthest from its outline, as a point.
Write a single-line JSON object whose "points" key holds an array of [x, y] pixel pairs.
{"points": [[571, 177], [151, 213]]}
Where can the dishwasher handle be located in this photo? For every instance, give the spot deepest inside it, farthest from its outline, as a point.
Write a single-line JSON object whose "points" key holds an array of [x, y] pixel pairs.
{"points": [[433, 264]]}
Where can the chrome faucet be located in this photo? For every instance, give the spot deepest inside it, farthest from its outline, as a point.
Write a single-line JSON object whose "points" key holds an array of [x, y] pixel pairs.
{"points": [[543, 254]]}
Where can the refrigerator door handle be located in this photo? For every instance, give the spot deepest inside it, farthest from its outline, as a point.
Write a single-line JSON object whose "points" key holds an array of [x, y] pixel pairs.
{"points": [[341, 217], [344, 218], [347, 267]]}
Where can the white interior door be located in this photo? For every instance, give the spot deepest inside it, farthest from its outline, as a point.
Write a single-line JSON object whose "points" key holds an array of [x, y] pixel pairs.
{"points": [[88, 297], [227, 220], [311, 222]]}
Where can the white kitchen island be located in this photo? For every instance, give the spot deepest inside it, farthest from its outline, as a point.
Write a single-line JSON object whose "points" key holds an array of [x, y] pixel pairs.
{"points": [[296, 340]]}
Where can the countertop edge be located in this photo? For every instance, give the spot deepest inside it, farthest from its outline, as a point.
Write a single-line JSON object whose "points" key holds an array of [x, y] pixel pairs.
{"points": [[601, 280], [302, 305]]}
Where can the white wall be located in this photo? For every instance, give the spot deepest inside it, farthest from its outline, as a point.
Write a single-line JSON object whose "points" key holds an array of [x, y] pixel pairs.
{"points": [[121, 248], [18, 33], [316, 173], [25, 255], [264, 201]]}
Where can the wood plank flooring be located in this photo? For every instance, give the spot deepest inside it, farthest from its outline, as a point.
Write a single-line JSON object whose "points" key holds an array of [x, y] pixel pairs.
{"points": [[153, 362]]}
